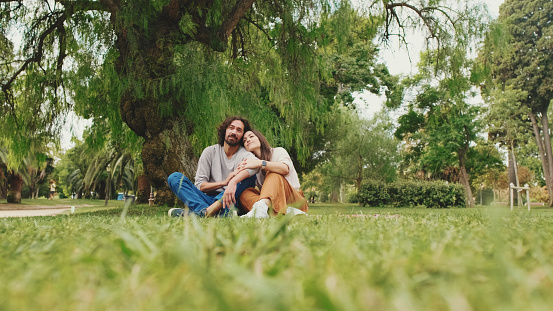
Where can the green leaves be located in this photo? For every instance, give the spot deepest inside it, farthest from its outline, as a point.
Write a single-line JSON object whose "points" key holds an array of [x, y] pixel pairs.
{"points": [[412, 194], [519, 50], [187, 25]]}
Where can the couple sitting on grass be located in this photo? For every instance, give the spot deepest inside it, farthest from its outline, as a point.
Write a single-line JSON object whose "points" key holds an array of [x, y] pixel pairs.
{"points": [[228, 175]]}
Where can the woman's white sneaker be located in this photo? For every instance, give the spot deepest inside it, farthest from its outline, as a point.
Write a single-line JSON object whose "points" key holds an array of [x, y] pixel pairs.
{"points": [[259, 210], [294, 211]]}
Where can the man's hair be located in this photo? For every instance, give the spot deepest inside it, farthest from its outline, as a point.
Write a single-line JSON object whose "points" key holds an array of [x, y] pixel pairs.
{"points": [[266, 152], [221, 130]]}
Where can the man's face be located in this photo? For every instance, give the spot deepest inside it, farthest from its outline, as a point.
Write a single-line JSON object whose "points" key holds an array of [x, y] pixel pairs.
{"points": [[234, 133]]}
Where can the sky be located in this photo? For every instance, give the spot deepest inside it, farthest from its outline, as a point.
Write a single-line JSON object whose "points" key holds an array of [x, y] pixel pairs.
{"points": [[398, 60]]}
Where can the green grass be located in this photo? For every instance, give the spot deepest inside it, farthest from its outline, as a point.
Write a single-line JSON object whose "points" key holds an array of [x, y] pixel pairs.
{"points": [[404, 259]]}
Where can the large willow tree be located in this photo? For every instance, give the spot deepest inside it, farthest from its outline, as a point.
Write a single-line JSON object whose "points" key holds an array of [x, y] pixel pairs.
{"points": [[172, 70]]}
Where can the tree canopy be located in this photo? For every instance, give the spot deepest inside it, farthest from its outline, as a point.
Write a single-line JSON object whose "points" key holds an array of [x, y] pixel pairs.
{"points": [[172, 70], [516, 56]]}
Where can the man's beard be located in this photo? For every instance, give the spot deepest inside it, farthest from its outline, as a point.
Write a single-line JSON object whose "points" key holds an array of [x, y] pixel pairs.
{"points": [[232, 144]]}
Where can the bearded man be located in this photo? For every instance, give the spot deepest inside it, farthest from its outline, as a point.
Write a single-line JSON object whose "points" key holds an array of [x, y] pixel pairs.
{"points": [[216, 179]]}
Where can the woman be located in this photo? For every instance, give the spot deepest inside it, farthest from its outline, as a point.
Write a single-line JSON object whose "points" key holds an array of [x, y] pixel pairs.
{"points": [[277, 179]]}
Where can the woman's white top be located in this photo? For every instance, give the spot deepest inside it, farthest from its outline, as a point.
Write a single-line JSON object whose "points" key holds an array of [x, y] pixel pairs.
{"points": [[281, 155]]}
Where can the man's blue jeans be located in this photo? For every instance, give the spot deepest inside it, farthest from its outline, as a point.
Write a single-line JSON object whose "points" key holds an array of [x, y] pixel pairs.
{"points": [[197, 200]]}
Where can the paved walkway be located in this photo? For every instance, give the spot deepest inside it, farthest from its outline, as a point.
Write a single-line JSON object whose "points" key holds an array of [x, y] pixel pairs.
{"points": [[18, 210], [32, 213]]}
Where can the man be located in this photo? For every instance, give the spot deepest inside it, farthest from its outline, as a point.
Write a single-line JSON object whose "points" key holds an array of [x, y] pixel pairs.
{"points": [[216, 180]]}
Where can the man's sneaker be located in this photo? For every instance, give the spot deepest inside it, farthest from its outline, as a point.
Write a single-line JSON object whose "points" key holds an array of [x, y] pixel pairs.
{"points": [[259, 210], [200, 213], [176, 212], [294, 211], [180, 212], [229, 212]]}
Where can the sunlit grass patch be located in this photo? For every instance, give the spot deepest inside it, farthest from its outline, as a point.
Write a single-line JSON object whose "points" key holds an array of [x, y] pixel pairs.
{"points": [[479, 259]]}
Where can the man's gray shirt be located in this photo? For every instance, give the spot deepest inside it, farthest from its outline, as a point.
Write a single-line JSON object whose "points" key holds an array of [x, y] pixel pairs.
{"points": [[214, 165]]}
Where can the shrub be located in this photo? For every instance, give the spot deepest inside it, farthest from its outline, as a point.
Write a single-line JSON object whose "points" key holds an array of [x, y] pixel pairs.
{"points": [[412, 193], [539, 194], [374, 193]]}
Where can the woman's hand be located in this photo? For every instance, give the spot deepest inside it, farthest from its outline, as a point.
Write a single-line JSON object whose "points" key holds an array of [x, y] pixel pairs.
{"points": [[249, 164], [231, 176]]}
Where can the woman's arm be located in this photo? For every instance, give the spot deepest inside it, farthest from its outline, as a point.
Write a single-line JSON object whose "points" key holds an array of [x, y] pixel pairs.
{"points": [[275, 167]]}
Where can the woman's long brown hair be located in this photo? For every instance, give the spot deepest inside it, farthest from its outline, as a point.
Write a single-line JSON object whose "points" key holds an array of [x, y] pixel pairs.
{"points": [[266, 152]]}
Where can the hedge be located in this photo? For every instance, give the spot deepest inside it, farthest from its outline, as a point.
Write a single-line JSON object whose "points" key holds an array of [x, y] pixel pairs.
{"points": [[412, 193]]}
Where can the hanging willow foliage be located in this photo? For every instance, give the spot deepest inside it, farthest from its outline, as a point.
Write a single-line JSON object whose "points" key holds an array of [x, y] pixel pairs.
{"points": [[173, 70]]}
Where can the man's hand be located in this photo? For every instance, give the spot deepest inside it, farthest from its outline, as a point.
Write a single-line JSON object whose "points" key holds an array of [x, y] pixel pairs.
{"points": [[228, 197], [249, 163]]}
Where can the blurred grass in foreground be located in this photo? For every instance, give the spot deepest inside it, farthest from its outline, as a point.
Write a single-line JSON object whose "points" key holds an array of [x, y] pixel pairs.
{"points": [[400, 259]]}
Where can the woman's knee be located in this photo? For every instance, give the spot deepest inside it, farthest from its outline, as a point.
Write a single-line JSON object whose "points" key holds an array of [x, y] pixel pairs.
{"points": [[273, 178]]}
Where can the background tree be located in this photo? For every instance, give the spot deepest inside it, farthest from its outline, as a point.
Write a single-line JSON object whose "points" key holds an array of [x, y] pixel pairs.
{"points": [[363, 149], [518, 54], [100, 167], [508, 124], [440, 123], [33, 170], [3, 180]]}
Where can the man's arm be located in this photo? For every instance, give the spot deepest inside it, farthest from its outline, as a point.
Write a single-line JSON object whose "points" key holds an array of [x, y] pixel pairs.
{"points": [[210, 186], [204, 172], [229, 198], [204, 168]]}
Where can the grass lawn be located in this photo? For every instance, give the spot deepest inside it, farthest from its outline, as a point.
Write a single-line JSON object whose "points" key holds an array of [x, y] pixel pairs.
{"points": [[392, 259]]}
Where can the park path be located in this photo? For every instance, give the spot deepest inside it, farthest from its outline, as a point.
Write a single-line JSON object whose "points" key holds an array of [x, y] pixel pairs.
{"points": [[32, 213], [18, 210]]}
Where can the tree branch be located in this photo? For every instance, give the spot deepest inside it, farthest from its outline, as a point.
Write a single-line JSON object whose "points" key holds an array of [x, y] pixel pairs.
{"points": [[37, 56], [260, 28], [83, 5], [239, 10], [217, 38], [428, 21]]}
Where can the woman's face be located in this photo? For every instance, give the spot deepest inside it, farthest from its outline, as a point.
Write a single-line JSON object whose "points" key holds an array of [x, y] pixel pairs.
{"points": [[251, 142]]}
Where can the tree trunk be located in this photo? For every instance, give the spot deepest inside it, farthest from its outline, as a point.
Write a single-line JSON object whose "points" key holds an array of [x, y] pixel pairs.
{"points": [[359, 179], [169, 152], [3, 181], [512, 172], [166, 146], [15, 186], [548, 151], [100, 191], [465, 177], [143, 190], [334, 196], [3, 190], [544, 153], [33, 188], [108, 190]]}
